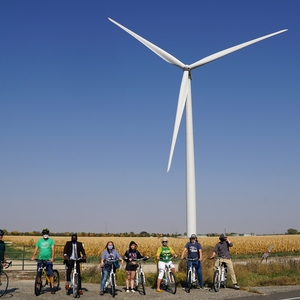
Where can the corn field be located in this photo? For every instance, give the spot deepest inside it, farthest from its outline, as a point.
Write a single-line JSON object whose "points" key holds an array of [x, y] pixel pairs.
{"points": [[148, 246]]}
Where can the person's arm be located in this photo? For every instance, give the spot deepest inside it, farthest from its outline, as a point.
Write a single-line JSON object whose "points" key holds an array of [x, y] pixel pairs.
{"points": [[173, 252], [53, 253], [34, 253], [66, 257], [83, 252], [229, 243], [200, 254], [183, 253], [213, 255], [158, 254], [118, 256]]}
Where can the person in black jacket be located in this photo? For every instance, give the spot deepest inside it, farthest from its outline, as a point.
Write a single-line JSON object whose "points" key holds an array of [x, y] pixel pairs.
{"points": [[72, 251], [130, 256]]}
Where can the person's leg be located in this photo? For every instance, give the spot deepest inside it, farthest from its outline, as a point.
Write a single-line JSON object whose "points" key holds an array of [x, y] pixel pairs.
{"points": [[132, 276], [161, 270], [231, 270], [79, 275], [127, 280], [105, 274], [198, 267]]}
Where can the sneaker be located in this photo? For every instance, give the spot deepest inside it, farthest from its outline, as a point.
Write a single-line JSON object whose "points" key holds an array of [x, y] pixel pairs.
{"points": [[236, 286], [52, 291], [101, 293], [67, 286], [127, 291], [203, 288], [159, 290], [132, 291]]}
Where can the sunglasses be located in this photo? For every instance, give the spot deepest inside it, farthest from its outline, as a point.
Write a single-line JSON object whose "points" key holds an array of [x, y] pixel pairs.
{"points": [[164, 242]]}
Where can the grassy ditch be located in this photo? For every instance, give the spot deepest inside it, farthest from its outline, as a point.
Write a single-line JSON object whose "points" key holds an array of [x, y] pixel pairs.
{"points": [[251, 273]]}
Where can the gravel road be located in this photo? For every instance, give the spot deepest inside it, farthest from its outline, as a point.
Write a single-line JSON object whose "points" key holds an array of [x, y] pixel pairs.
{"points": [[23, 290]]}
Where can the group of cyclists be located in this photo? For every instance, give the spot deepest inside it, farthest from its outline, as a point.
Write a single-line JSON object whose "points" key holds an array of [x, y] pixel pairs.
{"points": [[165, 253]]}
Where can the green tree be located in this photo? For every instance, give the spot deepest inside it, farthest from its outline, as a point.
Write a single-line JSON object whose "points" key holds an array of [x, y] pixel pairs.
{"points": [[292, 231]]}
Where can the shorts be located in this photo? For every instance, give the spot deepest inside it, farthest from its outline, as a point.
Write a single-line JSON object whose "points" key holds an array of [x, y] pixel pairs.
{"points": [[49, 266]]}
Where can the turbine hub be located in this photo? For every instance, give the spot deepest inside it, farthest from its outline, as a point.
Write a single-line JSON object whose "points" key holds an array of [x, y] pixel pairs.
{"points": [[186, 68]]}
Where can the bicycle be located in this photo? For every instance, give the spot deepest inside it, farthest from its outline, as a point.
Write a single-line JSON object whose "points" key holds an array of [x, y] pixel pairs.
{"points": [[74, 279], [168, 282], [191, 276], [3, 277], [111, 279], [42, 279], [140, 277], [220, 275]]}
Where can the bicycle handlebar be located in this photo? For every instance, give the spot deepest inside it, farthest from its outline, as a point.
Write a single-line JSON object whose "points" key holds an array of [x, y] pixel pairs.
{"points": [[8, 264]]}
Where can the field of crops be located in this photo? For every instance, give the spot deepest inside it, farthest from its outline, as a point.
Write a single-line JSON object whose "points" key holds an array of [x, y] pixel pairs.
{"points": [[148, 246]]}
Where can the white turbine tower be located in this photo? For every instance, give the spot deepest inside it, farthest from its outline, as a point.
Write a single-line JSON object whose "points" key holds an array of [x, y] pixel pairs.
{"points": [[185, 100]]}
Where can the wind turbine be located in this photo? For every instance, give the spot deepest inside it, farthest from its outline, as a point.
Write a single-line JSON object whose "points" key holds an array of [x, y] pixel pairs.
{"points": [[185, 101]]}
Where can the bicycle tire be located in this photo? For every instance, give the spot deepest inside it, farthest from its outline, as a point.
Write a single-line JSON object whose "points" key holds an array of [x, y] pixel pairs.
{"points": [[216, 281], [38, 283], [172, 283], [113, 287], [75, 286], [188, 282], [143, 283], [225, 277], [56, 279], [4, 283]]}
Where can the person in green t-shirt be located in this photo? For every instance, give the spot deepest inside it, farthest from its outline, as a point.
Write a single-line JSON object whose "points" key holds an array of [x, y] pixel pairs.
{"points": [[163, 256], [46, 246]]}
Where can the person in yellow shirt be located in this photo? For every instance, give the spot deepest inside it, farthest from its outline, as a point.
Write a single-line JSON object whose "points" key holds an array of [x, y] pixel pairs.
{"points": [[163, 256]]}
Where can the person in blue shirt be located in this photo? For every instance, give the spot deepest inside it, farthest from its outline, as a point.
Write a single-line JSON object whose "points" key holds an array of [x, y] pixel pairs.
{"points": [[110, 253], [194, 250]]}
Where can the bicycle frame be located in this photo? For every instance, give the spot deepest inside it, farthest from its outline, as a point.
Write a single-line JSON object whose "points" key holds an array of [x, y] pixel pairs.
{"points": [[3, 278], [220, 275], [191, 276], [169, 281], [74, 278], [140, 277], [42, 279], [111, 279]]}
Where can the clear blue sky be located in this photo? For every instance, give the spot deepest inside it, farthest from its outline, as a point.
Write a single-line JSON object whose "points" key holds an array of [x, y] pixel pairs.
{"points": [[87, 115]]}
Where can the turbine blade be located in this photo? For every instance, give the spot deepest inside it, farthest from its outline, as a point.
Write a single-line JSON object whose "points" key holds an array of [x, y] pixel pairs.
{"points": [[183, 93], [160, 52], [219, 54]]}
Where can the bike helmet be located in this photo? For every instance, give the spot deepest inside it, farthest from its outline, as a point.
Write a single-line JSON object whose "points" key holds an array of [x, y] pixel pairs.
{"points": [[193, 236], [1, 232], [45, 231]]}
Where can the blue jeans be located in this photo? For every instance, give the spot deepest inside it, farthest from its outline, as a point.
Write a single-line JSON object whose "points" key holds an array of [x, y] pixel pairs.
{"points": [[104, 277], [198, 268]]}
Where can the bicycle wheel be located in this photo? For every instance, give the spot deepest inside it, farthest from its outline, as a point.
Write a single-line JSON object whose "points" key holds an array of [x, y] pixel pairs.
{"points": [[113, 287], [75, 286], [225, 277], [216, 281], [172, 283], [3, 283], [188, 282], [38, 283], [143, 283], [56, 279]]}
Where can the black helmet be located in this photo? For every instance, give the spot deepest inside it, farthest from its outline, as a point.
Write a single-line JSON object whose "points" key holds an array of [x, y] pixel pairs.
{"points": [[45, 231], [1, 232]]}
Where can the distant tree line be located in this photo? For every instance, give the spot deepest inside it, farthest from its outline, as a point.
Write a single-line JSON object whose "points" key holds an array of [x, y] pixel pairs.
{"points": [[93, 234]]}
